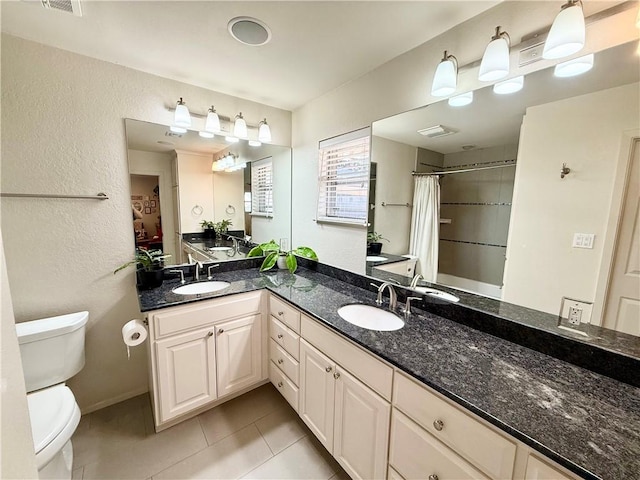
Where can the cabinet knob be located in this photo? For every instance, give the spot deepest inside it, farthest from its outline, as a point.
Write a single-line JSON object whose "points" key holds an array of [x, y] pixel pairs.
{"points": [[210, 334], [280, 314], [280, 335], [280, 361], [336, 375], [279, 384], [438, 425], [220, 331], [328, 369], [433, 476]]}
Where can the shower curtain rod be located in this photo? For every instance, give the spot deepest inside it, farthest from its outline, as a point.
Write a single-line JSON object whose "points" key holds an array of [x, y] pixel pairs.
{"points": [[416, 174]]}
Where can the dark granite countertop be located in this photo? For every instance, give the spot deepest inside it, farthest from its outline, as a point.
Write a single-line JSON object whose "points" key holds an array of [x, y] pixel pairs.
{"points": [[585, 421]]}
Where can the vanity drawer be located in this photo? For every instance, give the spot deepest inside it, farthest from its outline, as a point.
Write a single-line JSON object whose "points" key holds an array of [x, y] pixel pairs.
{"points": [[414, 453], [284, 361], [285, 386], [285, 337], [478, 443], [187, 317], [285, 313]]}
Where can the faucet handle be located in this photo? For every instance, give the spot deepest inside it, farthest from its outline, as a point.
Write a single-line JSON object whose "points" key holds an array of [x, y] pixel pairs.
{"points": [[209, 277], [181, 274], [407, 305]]}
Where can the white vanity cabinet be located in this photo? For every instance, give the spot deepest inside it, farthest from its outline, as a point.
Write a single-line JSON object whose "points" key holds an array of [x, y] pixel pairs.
{"points": [[203, 352]]}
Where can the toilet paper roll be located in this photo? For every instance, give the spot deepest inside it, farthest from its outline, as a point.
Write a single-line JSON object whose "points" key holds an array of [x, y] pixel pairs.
{"points": [[133, 334]]}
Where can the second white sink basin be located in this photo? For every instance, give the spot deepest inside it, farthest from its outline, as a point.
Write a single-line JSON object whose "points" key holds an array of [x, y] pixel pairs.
{"points": [[375, 258], [200, 287], [437, 293], [369, 317]]}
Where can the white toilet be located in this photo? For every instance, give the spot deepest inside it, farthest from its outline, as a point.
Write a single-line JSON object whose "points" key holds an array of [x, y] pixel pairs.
{"points": [[52, 351]]}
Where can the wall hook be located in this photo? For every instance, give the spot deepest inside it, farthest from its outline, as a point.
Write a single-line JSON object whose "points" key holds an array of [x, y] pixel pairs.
{"points": [[565, 170]]}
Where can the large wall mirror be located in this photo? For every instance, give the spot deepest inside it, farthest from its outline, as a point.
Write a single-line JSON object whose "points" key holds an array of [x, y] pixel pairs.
{"points": [[513, 224], [175, 187]]}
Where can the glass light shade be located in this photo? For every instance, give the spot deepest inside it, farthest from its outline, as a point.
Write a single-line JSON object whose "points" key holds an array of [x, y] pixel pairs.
{"points": [[445, 79], [213, 122], [567, 34], [461, 100], [264, 132], [576, 66], [176, 129], [206, 134], [512, 85], [231, 139], [181, 117], [254, 143], [240, 127], [495, 61]]}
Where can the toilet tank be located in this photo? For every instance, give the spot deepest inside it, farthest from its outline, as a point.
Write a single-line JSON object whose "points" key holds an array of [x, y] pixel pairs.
{"points": [[52, 349]]}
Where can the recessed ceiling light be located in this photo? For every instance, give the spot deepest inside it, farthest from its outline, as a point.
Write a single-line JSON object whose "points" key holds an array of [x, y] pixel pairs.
{"points": [[249, 31]]}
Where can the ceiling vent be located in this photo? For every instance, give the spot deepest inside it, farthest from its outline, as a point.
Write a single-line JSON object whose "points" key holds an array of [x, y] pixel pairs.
{"points": [[437, 131], [68, 6], [169, 133]]}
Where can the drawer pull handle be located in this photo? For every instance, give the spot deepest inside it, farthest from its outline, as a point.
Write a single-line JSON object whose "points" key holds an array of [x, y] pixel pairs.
{"points": [[328, 369], [279, 384], [336, 375], [433, 476], [280, 313], [280, 361], [220, 331], [280, 335], [438, 425], [210, 334]]}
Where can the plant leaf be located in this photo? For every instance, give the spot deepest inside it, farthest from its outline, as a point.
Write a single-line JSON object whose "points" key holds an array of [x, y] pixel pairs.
{"points": [[269, 261], [306, 252], [255, 252], [292, 263]]}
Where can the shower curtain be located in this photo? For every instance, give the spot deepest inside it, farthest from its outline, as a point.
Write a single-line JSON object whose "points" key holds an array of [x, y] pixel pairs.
{"points": [[425, 225]]}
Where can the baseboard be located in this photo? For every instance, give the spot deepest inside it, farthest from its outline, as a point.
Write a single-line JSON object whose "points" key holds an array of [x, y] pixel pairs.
{"points": [[114, 400]]}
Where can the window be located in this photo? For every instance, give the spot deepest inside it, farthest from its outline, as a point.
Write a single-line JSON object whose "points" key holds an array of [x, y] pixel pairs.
{"points": [[343, 195], [262, 188]]}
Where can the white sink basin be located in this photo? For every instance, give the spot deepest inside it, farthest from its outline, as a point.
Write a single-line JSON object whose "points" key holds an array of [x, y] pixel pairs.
{"points": [[376, 258], [219, 249], [437, 293], [200, 287], [369, 317]]}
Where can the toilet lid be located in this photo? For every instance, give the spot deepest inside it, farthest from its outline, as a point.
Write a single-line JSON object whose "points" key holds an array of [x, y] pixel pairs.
{"points": [[50, 409]]}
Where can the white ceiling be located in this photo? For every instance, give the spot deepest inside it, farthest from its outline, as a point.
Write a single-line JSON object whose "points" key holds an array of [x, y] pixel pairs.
{"points": [[316, 46]]}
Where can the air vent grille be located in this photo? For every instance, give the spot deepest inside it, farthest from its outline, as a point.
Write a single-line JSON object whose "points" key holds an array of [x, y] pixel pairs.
{"points": [[437, 131], [68, 6]]}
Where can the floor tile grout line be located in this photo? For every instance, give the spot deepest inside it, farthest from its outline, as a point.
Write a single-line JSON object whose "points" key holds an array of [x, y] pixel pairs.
{"points": [[273, 454]]}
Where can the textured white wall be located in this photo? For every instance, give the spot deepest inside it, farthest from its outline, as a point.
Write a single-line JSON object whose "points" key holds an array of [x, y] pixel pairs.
{"points": [[403, 84], [585, 132], [195, 180], [228, 189], [63, 132]]}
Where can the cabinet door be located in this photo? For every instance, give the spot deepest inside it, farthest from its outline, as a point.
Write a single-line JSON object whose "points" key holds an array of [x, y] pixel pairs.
{"points": [[239, 354], [361, 428], [539, 470], [186, 372], [317, 385]]}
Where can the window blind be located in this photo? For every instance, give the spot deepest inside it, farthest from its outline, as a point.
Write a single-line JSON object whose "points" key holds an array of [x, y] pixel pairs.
{"points": [[343, 194], [262, 187]]}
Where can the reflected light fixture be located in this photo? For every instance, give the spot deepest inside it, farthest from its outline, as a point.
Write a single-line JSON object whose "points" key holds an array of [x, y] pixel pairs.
{"points": [[175, 129], [461, 100], [205, 134], [240, 127], [576, 66], [254, 143], [231, 139], [446, 77], [567, 33], [495, 61], [181, 117], [509, 86], [264, 132], [212, 124]]}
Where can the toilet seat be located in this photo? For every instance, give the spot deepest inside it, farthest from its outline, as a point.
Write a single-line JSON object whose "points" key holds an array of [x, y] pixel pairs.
{"points": [[54, 417]]}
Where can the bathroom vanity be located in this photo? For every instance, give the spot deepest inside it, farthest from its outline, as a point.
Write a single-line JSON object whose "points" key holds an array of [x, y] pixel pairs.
{"points": [[435, 399]]}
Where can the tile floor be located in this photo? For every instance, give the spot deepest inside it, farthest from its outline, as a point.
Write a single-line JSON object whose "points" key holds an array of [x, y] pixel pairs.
{"points": [[255, 436]]}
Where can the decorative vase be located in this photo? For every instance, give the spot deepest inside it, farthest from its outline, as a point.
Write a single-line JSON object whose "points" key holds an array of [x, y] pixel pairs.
{"points": [[374, 248], [282, 262], [148, 279], [209, 233]]}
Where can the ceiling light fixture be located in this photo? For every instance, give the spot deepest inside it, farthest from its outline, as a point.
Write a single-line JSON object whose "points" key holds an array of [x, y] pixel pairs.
{"points": [[576, 66], [249, 30], [264, 132], [512, 85], [567, 33], [240, 127], [461, 100], [182, 118], [445, 79], [495, 61]]}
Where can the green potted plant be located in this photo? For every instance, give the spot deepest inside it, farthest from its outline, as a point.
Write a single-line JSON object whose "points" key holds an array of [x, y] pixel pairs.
{"points": [[222, 226], [149, 267], [208, 226], [374, 245], [275, 256]]}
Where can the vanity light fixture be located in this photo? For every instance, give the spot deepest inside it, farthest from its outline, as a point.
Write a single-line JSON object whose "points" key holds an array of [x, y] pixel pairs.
{"points": [[445, 79], [576, 66], [212, 124], [205, 134], [461, 100], [231, 139], [567, 34], [181, 117], [254, 143], [495, 61], [235, 168], [240, 127], [264, 132], [175, 129], [512, 85]]}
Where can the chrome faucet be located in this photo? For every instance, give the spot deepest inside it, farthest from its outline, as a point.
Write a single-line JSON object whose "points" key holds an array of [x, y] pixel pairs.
{"points": [[198, 266], [415, 280], [393, 298], [181, 274]]}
